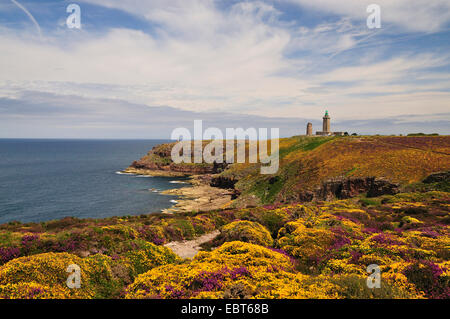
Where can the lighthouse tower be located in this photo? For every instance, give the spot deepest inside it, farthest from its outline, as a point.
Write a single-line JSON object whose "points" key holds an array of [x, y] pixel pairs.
{"points": [[309, 129], [326, 123], [327, 127]]}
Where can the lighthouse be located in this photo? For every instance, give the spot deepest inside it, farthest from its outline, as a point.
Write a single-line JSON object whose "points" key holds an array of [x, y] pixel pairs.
{"points": [[326, 123], [326, 127]]}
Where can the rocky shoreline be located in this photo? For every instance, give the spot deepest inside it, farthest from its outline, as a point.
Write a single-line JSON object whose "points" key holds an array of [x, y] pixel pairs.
{"points": [[151, 172], [199, 196]]}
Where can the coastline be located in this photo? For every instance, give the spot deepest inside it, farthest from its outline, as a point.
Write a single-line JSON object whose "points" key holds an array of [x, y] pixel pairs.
{"points": [[199, 196], [345, 234], [149, 172]]}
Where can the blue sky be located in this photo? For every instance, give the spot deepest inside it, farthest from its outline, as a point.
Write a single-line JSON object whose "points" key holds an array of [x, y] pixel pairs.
{"points": [[139, 69]]}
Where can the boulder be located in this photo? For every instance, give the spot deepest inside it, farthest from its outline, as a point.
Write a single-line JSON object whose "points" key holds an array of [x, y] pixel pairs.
{"points": [[437, 177]]}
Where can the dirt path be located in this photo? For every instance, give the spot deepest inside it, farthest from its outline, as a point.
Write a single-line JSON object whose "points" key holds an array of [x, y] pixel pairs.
{"points": [[189, 248]]}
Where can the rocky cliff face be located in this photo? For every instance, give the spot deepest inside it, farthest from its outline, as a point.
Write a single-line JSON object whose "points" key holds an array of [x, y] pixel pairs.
{"points": [[437, 177], [223, 182], [342, 188], [306, 166], [172, 167], [159, 159]]}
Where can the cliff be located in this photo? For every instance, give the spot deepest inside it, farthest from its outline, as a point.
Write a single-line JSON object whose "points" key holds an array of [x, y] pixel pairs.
{"points": [[319, 168], [158, 162], [340, 167]]}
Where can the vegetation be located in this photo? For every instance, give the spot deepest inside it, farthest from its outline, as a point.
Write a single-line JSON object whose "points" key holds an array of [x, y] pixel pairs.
{"points": [[283, 249], [423, 134], [318, 250], [306, 162], [247, 231]]}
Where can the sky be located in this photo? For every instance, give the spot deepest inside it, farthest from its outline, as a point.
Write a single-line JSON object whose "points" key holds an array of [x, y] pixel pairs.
{"points": [[142, 68]]}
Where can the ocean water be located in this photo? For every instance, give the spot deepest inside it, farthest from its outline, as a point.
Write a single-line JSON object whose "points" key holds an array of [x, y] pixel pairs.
{"points": [[42, 180]]}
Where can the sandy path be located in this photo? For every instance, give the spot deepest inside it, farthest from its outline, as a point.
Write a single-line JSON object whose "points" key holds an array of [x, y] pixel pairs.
{"points": [[189, 248]]}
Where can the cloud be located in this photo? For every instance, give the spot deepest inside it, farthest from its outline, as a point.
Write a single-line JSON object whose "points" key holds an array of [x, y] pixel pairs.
{"points": [[328, 37], [72, 116], [237, 66], [410, 15], [242, 58], [43, 115]]}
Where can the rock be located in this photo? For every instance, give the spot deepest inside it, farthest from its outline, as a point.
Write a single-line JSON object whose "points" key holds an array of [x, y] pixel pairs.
{"points": [[201, 197], [172, 167], [437, 177], [219, 167], [343, 188], [381, 187], [159, 159], [223, 182]]}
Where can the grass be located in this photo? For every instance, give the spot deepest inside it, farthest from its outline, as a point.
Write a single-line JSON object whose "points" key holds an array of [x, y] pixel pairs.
{"points": [[305, 162], [301, 143], [370, 201]]}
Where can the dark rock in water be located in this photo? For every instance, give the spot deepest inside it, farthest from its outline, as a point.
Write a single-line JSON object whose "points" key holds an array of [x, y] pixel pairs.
{"points": [[437, 177], [343, 188]]}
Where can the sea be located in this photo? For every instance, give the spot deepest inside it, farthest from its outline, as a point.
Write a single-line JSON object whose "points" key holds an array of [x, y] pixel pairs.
{"points": [[43, 180]]}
